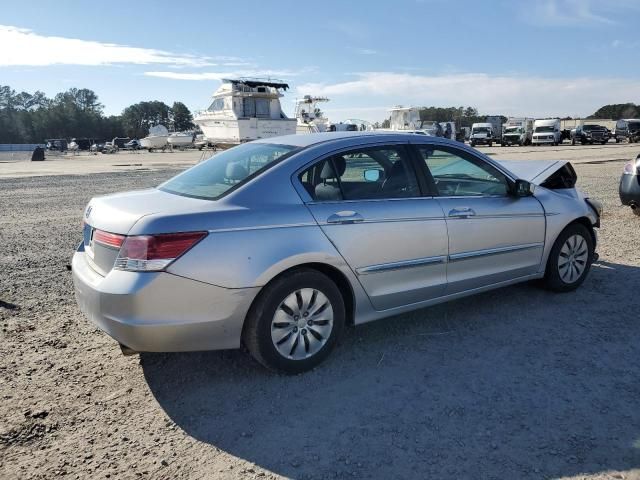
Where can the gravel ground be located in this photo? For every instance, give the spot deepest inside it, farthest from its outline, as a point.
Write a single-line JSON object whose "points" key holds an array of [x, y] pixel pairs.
{"points": [[515, 383]]}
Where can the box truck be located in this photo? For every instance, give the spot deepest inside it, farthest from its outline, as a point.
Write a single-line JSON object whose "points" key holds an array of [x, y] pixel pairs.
{"points": [[546, 132], [517, 131]]}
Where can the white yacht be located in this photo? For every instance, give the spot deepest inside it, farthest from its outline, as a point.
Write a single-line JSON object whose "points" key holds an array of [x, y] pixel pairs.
{"points": [[309, 116], [157, 138], [243, 110]]}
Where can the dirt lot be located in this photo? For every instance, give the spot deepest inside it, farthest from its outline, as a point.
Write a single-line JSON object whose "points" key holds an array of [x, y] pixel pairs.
{"points": [[515, 383]]}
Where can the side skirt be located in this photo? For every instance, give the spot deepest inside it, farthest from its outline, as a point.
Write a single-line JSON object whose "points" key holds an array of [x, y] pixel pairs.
{"points": [[375, 315]]}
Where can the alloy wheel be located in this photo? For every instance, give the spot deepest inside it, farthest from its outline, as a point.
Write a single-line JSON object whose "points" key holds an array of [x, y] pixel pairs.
{"points": [[574, 255], [302, 324]]}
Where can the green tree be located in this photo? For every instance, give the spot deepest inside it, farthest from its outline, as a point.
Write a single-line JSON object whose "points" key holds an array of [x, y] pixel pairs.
{"points": [[617, 111], [138, 118], [181, 117]]}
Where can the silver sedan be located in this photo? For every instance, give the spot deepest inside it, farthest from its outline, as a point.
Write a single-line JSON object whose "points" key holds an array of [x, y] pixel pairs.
{"points": [[280, 243]]}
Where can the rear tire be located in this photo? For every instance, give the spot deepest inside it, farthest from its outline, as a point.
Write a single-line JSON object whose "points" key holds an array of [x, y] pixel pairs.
{"points": [[636, 211], [570, 259], [296, 321]]}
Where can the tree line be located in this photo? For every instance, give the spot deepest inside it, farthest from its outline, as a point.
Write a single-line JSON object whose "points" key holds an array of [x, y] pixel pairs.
{"points": [[77, 113]]}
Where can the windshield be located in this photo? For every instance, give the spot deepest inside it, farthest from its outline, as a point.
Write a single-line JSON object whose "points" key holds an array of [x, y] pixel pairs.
{"points": [[214, 177], [481, 130], [588, 128], [513, 130], [544, 129]]}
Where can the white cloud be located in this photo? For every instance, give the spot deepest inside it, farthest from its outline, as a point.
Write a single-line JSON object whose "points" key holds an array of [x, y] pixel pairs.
{"points": [[221, 75], [22, 47], [497, 94]]}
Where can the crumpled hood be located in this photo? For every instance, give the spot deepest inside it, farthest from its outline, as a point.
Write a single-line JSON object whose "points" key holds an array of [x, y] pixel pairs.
{"points": [[534, 171]]}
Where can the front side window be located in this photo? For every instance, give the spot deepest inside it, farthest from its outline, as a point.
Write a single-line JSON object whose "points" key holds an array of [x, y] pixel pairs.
{"points": [[363, 174], [460, 174], [214, 177]]}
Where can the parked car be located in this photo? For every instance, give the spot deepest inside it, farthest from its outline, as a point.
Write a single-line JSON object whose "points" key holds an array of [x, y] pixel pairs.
{"points": [[109, 147], [630, 185], [97, 146], [281, 242], [589, 134], [628, 130], [56, 144], [132, 145]]}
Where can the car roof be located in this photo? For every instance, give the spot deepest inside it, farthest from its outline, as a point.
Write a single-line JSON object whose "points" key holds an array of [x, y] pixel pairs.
{"points": [[308, 139]]}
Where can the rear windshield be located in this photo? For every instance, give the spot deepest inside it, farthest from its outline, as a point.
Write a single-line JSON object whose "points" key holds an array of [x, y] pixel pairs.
{"points": [[224, 171]]}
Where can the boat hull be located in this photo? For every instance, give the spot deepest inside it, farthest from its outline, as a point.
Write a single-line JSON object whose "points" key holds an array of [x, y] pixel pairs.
{"points": [[235, 131], [180, 140], [153, 142]]}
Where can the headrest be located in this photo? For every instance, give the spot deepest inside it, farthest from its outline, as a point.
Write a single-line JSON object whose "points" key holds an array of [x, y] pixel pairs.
{"points": [[327, 172], [235, 171]]}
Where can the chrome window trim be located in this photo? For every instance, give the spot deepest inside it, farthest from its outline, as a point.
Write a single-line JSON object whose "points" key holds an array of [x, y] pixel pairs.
{"points": [[418, 262], [493, 251]]}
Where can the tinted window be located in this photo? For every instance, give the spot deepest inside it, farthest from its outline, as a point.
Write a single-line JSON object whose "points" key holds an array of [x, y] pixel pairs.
{"points": [[363, 174], [212, 178], [461, 174]]}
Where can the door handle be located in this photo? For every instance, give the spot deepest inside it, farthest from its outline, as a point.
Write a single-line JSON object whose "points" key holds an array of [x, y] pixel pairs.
{"points": [[345, 216], [462, 212]]}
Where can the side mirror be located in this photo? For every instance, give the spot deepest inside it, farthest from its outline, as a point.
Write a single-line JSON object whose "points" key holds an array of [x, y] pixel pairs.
{"points": [[522, 188], [373, 175]]}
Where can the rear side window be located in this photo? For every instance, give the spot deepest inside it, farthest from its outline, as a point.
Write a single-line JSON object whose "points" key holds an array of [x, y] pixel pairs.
{"points": [[362, 174], [226, 170]]}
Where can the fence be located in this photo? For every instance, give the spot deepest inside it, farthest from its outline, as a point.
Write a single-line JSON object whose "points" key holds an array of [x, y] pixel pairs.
{"points": [[13, 152]]}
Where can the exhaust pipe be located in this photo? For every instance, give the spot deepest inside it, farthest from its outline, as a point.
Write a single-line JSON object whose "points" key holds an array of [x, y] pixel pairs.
{"points": [[126, 351]]}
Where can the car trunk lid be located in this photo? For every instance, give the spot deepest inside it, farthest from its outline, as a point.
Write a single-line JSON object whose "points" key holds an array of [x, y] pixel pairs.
{"points": [[108, 219]]}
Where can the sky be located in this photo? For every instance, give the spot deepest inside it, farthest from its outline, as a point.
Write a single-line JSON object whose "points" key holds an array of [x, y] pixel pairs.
{"points": [[517, 58]]}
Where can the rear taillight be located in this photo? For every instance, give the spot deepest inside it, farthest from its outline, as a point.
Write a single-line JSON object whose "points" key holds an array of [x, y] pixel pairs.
{"points": [[112, 240], [154, 252]]}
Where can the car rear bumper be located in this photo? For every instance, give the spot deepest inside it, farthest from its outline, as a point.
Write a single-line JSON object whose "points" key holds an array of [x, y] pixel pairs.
{"points": [[161, 312], [630, 190]]}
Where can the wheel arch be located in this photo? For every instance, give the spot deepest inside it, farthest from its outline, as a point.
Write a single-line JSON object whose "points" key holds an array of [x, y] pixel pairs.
{"points": [[334, 274], [589, 226]]}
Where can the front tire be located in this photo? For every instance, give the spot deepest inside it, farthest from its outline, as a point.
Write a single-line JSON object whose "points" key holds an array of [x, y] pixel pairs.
{"points": [[570, 259], [295, 322]]}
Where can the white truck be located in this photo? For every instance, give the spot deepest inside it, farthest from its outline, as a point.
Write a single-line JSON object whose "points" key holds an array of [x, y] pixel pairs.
{"points": [[517, 131], [546, 132], [482, 134]]}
